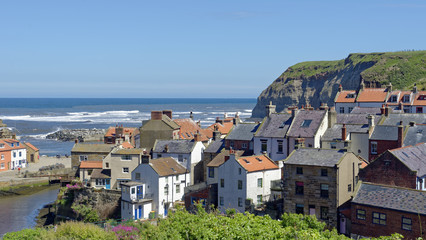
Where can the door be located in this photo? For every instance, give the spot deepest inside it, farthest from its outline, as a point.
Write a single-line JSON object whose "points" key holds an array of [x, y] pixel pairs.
{"points": [[136, 213], [140, 192], [140, 212], [166, 209], [107, 183], [343, 225], [32, 157]]}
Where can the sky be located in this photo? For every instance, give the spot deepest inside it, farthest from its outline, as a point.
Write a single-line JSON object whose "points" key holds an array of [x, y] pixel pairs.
{"points": [[187, 49]]}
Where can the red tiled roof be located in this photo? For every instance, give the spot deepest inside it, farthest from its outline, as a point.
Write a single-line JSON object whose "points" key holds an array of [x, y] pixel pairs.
{"points": [[188, 128], [372, 95], [418, 99], [126, 131], [8, 144], [127, 145], [91, 164], [257, 163], [343, 97], [31, 146], [222, 128], [399, 100]]}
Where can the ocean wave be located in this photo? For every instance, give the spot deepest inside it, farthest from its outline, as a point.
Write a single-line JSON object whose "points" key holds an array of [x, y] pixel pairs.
{"points": [[43, 135]]}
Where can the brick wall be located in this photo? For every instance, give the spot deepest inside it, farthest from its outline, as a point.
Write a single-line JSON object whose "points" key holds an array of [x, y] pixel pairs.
{"points": [[393, 223], [382, 146], [388, 170], [238, 144]]}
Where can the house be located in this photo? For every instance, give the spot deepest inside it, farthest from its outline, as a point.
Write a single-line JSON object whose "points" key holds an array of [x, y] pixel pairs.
{"points": [[307, 128], [160, 126], [159, 184], [224, 125], [189, 128], [245, 181], [241, 137], [345, 100], [212, 166], [319, 181], [86, 169], [379, 210], [212, 150], [188, 153], [89, 152], [403, 167], [119, 132], [419, 102], [121, 162], [384, 138], [33, 153], [271, 135], [12, 154]]}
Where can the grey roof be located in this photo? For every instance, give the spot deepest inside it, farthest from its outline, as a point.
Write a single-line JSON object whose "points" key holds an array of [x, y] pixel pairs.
{"points": [[297, 129], [315, 157], [220, 158], [366, 110], [406, 118], [174, 146], [414, 157], [382, 132], [167, 166], [243, 131], [335, 132], [390, 197], [348, 118], [95, 148], [215, 146], [101, 173], [415, 134], [276, 125], [131, 183], [129, 151]]}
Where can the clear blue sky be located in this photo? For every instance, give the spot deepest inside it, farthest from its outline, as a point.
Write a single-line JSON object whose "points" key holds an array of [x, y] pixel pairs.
{"points": [[135, 48]]}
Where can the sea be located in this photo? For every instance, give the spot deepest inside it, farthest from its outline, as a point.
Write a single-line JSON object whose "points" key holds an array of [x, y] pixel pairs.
{"points": [[32, 119]]}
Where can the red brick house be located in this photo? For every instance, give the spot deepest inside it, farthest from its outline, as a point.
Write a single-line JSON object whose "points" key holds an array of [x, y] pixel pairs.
{"points": [[379, 210], [384, 138]]}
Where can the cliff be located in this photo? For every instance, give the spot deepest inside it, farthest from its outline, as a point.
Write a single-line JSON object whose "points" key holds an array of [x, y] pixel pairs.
{"points": [[317, 82]]}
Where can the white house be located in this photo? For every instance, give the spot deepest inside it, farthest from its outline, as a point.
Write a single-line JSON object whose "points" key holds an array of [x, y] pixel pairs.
{"points": [[18, 154], [161, 182], [187, 152], [245, 181]]}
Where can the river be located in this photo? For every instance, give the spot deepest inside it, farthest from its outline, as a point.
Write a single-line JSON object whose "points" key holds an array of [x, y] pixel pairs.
{"points": [[19, 212]]}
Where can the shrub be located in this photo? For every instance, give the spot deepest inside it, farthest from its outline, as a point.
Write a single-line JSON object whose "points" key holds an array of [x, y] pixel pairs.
{"points": [[37, 233], [79, 230], [126, 232]]}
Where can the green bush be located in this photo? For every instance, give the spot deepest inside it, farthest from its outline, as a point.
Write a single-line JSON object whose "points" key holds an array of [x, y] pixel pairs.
{"points": [[37, 233], [79, 230]]}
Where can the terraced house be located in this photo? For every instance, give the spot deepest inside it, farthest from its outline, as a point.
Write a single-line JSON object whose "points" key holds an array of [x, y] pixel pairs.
{"points": [[13, 154]]}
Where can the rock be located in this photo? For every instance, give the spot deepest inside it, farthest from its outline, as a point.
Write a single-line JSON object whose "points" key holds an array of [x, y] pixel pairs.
{"points": [[80, 134]]}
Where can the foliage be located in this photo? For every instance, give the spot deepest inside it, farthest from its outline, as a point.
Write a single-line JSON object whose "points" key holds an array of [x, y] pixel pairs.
{"points": [[85, 212], [126, 232], [79, 230], [302, 222], [37, 233]]}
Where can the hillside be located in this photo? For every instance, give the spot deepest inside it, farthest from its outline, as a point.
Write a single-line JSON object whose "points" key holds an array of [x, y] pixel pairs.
{"points": [[318, 81]]}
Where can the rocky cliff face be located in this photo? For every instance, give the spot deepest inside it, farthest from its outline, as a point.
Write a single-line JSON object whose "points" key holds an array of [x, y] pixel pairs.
{"points": [[317, 82]]}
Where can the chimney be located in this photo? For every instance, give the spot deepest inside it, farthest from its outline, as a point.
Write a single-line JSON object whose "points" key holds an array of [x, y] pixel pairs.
{"points": [[344, 132], [166, 148], [168, 113], [294, 111], [415, 88], [340, 88], [191, 116], [387, 110], [199, 123], [156, 115], [389, 87], [323, 106], [332, 117], [299, 143], [145, 158], [400, 134], [362, 85], [412, 124], [370, 121], [76, 140], [119, 131], [270, 109], [309, 107], [197, 136], [216, 134], [382, 109]]}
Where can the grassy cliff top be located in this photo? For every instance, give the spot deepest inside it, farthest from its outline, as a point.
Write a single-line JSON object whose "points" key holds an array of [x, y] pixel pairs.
{"points": [[402, 69]]}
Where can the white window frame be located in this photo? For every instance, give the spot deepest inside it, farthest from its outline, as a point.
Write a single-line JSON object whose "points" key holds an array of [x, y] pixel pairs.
{"points": [[373, 149], [124, 168], [126, 157], [83, 158], [2, 166], [2, 157]]}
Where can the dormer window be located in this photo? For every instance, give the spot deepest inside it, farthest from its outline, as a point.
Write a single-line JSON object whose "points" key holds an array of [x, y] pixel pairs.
{"points": [[406, 98], [393, 98], [350, 95], [422, 97], [1, 145], [306, 123]]}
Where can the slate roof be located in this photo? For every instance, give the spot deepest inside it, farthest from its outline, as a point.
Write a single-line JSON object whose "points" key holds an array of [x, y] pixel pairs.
{"points": [[167, 166], [391, 197], [406, 118], [335, 132], [243, 131], [220, 158], [348, 118], [415, 134], [296, 128], [382, 132], [414, 157], [93, 148], [276, 125], [129, 151], [174, 146], [101, 173], [315, 157], [366, 110], [131, 183], [215, 146], [257, 163]]}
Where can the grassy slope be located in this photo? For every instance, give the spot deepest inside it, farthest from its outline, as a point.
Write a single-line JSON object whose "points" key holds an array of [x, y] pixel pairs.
{"points": [[402, 69]]}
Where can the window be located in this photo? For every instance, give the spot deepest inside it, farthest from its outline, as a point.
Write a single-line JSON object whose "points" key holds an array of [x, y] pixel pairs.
{"points": [[231, 144], [222, 183], [259, 199], [299, 188], [83, 158], [299, 170], [177, 188], [299, 208], [373, 147], [133, 190], [240, 202], [280, 146], [221, 201], [324, 213], [180, 158], [12, 145], [264, 146], [107, 165], [324, 190], [240, 184], [1, 145], [125, 170], [177, 177], [100, 182], [211, 172], [406, 98], [2, 166], [159, 155], [126, 157], [350, 109], [138, 176], [306, 123], [419, 109], [2, 157], [14, 154], [379, 218], [360, 214], [89, 172], [244, 145], [350, 95], [324, 172], [342, 110], [166, 190], [349, 187], [20, 154], [239, 171], [260, 182], [393, 98], [17, 144], [406, 223]]}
